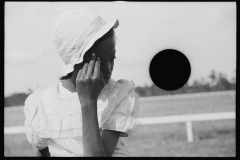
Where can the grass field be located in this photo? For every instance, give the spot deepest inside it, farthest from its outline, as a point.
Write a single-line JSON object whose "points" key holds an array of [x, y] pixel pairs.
{"points": [[211, 138]]}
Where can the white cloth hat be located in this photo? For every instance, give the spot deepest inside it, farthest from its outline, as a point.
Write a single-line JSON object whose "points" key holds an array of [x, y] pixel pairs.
{"points": [[75, 31]]}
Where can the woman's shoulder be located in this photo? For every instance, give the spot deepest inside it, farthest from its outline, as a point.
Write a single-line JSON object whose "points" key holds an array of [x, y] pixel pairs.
{"points": [[122, 83], [38, 91], [122, 80], [31, 105], [121, 88]]}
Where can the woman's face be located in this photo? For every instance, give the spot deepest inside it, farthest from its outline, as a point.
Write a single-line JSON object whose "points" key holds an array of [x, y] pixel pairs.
{"points": [[105, 50]]}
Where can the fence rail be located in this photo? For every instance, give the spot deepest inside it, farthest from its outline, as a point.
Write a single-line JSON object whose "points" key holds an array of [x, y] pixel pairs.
{"points": [[188, 119], [160, 120]]}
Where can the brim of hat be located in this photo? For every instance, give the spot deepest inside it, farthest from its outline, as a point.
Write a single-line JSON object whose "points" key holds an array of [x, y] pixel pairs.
{"points": [[114, 24]]}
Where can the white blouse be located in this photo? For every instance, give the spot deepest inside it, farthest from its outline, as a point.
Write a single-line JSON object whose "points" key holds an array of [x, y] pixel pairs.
{"points": [[53, 117]]}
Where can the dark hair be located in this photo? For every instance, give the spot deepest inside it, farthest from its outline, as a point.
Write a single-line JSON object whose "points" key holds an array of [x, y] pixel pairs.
{"points": [[109, 34]]}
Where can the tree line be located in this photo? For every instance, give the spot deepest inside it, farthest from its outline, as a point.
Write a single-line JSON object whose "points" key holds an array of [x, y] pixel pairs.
{"points": [[218, 82]]}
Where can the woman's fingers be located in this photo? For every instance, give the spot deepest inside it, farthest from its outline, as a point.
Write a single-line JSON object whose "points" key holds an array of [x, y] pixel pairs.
{"points": [[84, 71], [79, 74], [96, 73], [90, 67]]}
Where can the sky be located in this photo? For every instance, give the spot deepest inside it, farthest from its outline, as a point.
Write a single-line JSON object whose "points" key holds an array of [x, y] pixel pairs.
{"points": [[205, 32]]}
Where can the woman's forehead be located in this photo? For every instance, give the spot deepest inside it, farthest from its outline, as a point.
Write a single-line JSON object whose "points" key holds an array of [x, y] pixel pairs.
{"points": [[104, 49], [105, 55]]}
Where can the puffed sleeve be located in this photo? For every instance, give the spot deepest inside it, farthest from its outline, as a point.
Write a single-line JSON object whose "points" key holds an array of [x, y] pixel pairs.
{"points": [[126, 110], [31, 121]]}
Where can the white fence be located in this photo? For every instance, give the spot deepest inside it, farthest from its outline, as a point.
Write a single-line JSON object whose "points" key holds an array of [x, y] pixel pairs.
{"points": [[14, 130], [188, 119]]}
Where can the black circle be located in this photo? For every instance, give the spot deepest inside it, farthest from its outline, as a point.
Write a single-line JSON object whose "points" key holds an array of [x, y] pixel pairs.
{"points": [[169, 69]]}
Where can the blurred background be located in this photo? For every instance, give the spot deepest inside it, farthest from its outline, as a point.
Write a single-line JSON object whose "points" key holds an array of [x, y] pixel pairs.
{"points": [[204, 31]]}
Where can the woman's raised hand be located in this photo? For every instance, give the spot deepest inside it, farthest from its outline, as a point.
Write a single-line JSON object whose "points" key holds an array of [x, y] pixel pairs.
{"points": [[88, 81]]}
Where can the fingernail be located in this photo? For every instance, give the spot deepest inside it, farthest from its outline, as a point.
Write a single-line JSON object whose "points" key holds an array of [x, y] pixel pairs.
{"points": [[93, 54]]}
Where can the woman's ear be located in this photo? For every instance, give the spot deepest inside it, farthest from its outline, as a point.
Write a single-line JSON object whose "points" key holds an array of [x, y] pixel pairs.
{"points": [[79, 66], [88, 54]]}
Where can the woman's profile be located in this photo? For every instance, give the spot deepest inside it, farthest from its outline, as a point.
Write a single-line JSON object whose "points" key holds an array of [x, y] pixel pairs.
{"points": [[86, 112]]}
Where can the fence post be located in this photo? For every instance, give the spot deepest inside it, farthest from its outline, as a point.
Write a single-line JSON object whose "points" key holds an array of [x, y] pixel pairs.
{"points": [[189, 131]]}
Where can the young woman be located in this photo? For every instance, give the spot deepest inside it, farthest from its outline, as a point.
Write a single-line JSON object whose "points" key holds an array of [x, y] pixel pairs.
{"points": [[86, 113]]}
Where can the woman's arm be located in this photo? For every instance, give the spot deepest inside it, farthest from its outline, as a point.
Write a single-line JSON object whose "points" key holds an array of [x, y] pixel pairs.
{"points": [[88, 85], [92, 144], [95, 144], [43, 153], [109, 141]]}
